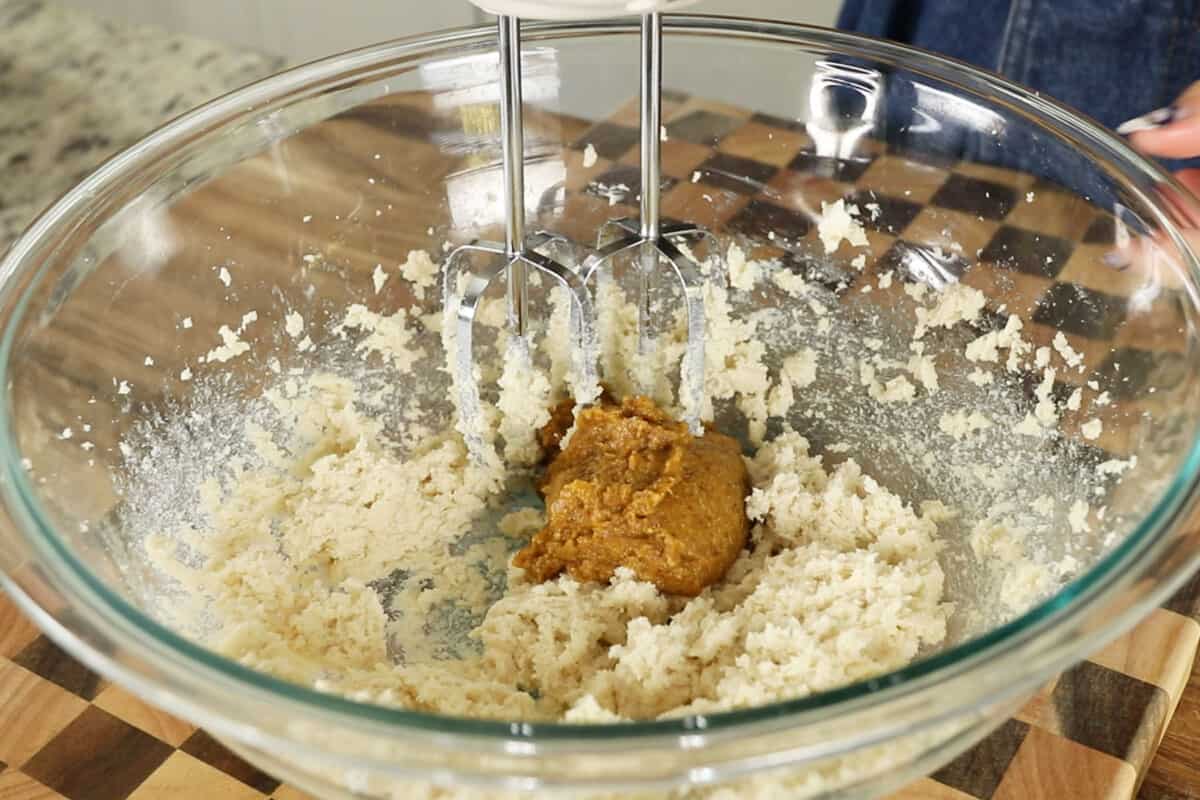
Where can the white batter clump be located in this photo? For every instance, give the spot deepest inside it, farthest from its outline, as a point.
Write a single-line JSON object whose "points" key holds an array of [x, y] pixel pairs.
{"points": [[336, 559], [348, 542], [386, 578]]}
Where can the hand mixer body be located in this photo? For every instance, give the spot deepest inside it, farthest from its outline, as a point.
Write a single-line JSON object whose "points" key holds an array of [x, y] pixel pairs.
{"points": [[576, 9]]}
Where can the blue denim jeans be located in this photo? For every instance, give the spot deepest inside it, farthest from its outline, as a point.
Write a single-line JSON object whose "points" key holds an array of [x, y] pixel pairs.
{"points": [[1110, 59]]}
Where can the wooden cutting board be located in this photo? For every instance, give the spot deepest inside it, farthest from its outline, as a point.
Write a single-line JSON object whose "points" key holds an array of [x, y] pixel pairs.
{"points": [[1090, 735]]}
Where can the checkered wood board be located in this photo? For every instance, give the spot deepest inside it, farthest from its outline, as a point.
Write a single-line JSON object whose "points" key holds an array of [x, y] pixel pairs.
{"points": [[1091, 733], [64, 732]]}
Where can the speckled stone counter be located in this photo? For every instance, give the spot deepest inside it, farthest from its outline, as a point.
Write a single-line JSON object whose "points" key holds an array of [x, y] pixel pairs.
{"points": [[74, 89]]}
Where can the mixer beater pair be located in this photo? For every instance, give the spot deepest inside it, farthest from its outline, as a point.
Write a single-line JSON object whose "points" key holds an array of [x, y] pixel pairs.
{"points": [[653, 244]]}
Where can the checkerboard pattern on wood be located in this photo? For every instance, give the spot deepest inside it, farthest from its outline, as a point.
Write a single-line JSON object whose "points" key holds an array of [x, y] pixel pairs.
{"points": [[1091, 733]]}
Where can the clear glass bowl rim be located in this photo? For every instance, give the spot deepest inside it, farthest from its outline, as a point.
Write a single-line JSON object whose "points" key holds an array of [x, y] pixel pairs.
{"points": [[1027, 643]]}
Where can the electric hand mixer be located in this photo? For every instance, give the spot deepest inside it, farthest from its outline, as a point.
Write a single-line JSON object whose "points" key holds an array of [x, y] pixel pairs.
{"points": [[646, 237]]}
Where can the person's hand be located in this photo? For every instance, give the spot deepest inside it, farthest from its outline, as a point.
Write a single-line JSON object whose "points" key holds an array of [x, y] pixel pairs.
{"points": [[1172, 132]]}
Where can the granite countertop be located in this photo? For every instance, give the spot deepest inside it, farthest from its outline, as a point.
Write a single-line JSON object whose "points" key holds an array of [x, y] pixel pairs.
{"points": [[74, 89]]}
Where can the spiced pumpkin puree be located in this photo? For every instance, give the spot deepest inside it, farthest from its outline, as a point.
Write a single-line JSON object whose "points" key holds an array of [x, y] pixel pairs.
{"points": [[633, 488]]}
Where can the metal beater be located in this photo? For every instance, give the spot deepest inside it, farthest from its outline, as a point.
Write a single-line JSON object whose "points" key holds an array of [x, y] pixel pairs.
{"points": [[466, 281], [652, 241]]}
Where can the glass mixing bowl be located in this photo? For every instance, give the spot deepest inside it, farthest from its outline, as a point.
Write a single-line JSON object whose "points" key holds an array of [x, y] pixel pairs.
{"points": [[285, 195]]}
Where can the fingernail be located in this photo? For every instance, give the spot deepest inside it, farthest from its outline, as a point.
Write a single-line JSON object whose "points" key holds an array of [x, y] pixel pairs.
{"points": [[1155, 119], [1115, 259]]}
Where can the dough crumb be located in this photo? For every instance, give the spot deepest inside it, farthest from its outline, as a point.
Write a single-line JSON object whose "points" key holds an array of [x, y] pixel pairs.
{"points": [[1023, 579], [293, 324], [420, 270], [837, 224], [937, 511], [979, 377], [1091, 429], [1115, 466], [1045, 411], [524, 404], [387, 335], [896, 390], [1029, 426], [231, 346], [522, 523], [801, 367], [961, 424], [587, 710], [1069, 355], [590, 157], [955, 303], [798, 371], [743, 274], [790, 282], [923, 369], [988, 346]]}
